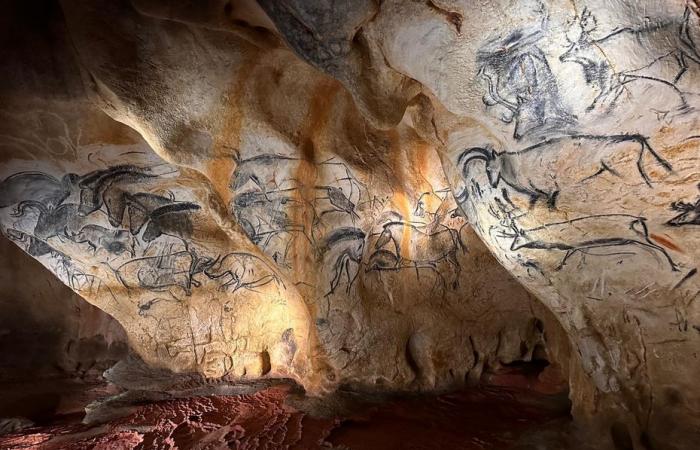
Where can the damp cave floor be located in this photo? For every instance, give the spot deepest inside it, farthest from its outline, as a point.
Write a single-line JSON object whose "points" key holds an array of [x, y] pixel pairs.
{"points": [[278, 416]]}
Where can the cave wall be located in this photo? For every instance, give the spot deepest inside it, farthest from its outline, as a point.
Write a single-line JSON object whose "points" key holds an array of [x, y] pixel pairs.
{"points": [[304, 190], [294, 255], [46, 329]]}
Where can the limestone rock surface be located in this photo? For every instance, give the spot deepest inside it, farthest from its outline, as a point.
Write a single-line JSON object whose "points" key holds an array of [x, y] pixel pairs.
{"points": [[392, 195]]}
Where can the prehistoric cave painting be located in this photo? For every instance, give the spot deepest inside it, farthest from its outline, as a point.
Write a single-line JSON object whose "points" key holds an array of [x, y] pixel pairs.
{"points": [[594, 236], [145, 306], [141, 205], [38, 187], [66, 222], [345, 246], [688, 213], [269, 205], [162, 272], [112, 212], [673, 46], [51, 221], [343, 194], [255, 169], [264, 190], [586, 234], [97, 237], [440, 196], [428, 246], [239, 270], [419, 209], [35, 247], [505, 212], [178, 269], [424, 243], [174, 219], [691, 273], [105, 187], [265, 220], [72, 273], [543, 185], [520, 81], [59, 263], [338, 201]]}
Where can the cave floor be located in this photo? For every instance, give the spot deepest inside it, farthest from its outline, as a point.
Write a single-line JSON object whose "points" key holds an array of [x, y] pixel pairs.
{"points": [[279, 416]]}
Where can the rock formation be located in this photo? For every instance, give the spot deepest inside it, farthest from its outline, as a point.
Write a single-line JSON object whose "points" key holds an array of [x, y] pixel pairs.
{"points": [[317, 191]]}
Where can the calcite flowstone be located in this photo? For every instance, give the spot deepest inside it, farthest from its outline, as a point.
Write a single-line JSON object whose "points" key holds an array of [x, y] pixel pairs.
{"points": [[303, 189]]}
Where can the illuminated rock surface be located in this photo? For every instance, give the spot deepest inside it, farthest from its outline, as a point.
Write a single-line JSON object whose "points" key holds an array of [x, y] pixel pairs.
{"points": [[299, 189]]}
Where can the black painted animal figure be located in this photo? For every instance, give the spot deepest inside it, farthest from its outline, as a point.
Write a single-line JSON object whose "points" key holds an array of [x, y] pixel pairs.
{"points": [[163, 272], [173, 219], [425, 251], [339, 202], [36, 246], [689, 213], [100, 185], [263, 213], [263, 217], [240, 270], [141, 205], [582, 234], [119, 198], [344, 247], [254, 170], [672, 44], [520, 80], [264, 198], [426, 209], [38, 187], [532, 171], [52, 222], [346, 178], [97, 237], [419, 210]]}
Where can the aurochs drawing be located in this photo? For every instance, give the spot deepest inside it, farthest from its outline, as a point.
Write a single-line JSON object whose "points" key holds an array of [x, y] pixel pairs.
{"points": [[507, 167]]}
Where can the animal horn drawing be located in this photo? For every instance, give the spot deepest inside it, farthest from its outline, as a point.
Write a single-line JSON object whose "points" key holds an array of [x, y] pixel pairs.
{"points": [[475, 153], [488, 155]]}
